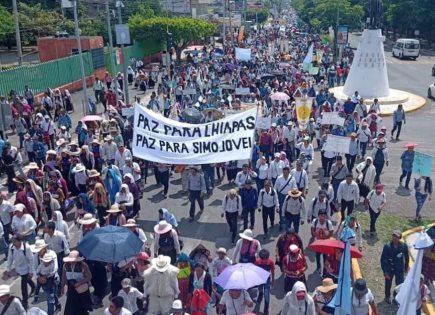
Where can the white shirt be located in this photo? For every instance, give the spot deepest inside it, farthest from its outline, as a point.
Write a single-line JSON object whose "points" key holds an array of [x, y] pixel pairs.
{"points": [[57, 242], [16, 308], [348, 192], [294, 206], [108, 150], [120, 157], [316, 205], [308, 151], [134, 170], [47, 127], [375, 200], [283, 186], [263, 170], [20, 259], [40, 269], [232, 205], [275, 169], [301, 178], [130, 299], [326, 227], [124, 311], [241, 178], [6, 208], [363, 135], [268, 199], [361, 306], [290, 135], [26, 222], [235, 306]]}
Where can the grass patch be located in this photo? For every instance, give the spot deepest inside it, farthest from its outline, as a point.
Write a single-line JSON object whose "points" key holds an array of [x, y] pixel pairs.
{"points": [[370, 262]]}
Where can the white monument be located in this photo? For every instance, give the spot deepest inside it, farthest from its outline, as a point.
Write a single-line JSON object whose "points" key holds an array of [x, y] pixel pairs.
{"points": [[368, 73]]}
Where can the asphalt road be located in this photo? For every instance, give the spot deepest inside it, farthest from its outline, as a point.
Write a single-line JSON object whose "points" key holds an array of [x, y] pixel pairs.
{"points": [[211, 230]]}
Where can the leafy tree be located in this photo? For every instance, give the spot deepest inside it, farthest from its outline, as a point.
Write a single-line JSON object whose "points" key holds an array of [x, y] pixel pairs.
{"points": [[184, 30], [259, 16], [7, 24]]}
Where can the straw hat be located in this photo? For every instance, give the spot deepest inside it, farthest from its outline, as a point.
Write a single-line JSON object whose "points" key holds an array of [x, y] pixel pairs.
{"points": [[48, 257], [74, 256], [327, 286], [60, 141], [114, 209], [33, 166], [130, 223], [19, 179], [294, 193], [161, 263], [247, 235], [79, 168], [39, 244], [162, 227], [87, 219], [51, 152], [5, 289], [73, 143], [93, 173], [108, 138]]}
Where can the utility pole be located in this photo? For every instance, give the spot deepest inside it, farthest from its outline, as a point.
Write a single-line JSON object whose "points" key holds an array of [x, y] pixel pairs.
{"points": [[336, 33], [79, 48], [112, 57], [224, 28], [231, 29], [17, 32], [119, 6]]}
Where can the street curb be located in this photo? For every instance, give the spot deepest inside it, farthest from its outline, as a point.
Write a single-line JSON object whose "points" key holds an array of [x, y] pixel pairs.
{"points": [[428, 308]]}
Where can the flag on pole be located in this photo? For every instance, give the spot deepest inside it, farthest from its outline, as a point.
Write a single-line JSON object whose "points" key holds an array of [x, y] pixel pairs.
{"points": [[342, 298], [118, 56], [307, 63], [409, 293]]}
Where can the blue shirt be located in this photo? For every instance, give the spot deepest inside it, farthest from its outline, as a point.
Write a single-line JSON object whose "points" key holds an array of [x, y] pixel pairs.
{"points": [[407, 160], [249, 198], [399, 116]]}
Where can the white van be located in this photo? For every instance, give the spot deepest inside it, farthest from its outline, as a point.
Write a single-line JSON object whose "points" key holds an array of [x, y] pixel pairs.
{"points": [[406, 47]]}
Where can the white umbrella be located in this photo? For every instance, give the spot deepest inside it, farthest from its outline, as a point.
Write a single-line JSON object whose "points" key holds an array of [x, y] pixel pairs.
{"points": [[242, 276]]}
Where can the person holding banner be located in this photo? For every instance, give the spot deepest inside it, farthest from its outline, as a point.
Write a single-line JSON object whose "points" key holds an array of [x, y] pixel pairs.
{"points": [[197, 190]]}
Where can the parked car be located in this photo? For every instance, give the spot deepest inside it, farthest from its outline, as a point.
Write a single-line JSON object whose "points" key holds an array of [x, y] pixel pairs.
{"points": [[406, 47], [433, 70], [431, 91]]}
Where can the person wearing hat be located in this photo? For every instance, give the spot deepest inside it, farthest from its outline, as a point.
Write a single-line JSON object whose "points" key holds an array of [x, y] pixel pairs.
{"points": [[394, 262], [116, 136], [362, 298], [108, 150], [197, 189], [9, 304], [177, 308], [375, 203], [23, 223], [293, 209], [298, 301], [20, 258], [166, 241], [290, 135], [294, 266], [161, 285], [132, 226], [276, 168], [232, 209], [116, 216], [363, 136], [76, 276], [247, 248], [220, 262], [130, 295], [380, 157], [57, 242], [407, 159], [323, 295], [47, 278]]}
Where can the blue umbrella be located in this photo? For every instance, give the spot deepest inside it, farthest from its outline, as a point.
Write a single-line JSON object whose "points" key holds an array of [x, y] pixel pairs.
{"points": [[110, 244]]}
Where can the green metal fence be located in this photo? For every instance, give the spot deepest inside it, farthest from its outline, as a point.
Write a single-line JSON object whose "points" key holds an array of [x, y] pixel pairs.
{"points": [[137, 50], [43, 75]]}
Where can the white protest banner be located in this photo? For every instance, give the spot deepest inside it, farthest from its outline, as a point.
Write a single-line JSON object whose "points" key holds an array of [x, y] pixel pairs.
{"points": [[128, 111], [303, 110], [337, 144], [263, 122], [159, 139], [189, 92], [243, 91], [243, 54], [332, 118]]}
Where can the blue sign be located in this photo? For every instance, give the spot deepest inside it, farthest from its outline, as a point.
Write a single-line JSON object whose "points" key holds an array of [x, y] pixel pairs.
{"points": [[422, 164]]}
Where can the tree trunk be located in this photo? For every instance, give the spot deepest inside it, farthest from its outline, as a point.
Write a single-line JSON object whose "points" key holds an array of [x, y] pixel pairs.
{"points": [[178, 51]]}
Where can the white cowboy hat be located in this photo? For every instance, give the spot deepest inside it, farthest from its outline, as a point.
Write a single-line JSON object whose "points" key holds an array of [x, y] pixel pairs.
{"points": [[48, 257], [114, 209], [60, 141], [177, 306], [108, 138], [5, 289], [33, 166], [74, 256], [161, 263], [51, 152], [19, 207], [130, 223], [79, 168], [247, 235], [87, 219], [39, 244], [221, 250], [162, 227]]}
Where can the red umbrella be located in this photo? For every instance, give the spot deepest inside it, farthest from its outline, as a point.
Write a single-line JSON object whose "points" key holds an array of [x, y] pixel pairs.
{"points": [[410, 144], [331, 245]]}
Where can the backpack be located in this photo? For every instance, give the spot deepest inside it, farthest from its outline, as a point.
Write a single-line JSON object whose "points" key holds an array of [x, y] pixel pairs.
{"points": [[272, 195], [379, 157], [328, 204], [237, 197], [328, 226], [24, 249]]}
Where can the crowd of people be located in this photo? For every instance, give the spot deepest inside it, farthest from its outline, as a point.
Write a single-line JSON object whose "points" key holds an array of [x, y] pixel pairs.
{"points": [[88, 170]]}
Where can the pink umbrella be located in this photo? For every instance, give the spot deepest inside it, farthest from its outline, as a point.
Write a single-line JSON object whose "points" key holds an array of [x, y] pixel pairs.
{"points": [[283, 65], [91, 118], [410, 144], [280, 96]]}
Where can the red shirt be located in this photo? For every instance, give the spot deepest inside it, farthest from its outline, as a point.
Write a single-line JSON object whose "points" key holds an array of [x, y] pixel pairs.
{"points": [[297, 265], [267, 264]]}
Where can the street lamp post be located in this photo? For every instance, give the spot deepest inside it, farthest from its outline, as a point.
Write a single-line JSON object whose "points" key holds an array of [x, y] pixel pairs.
{"points": [[79, 49], [112, 58], [17, 32]]}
